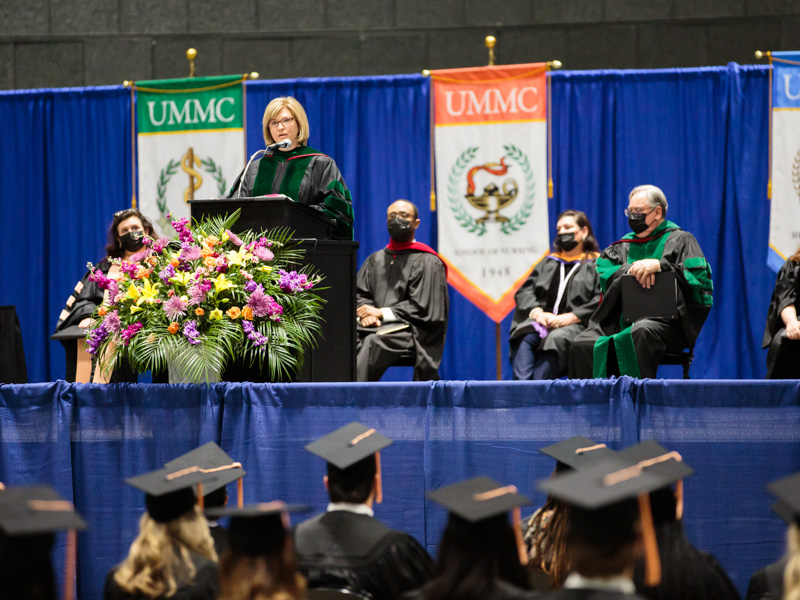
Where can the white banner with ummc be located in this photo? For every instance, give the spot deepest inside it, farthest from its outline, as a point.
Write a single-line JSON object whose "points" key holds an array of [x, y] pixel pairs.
{"points": [[784, 219], [491, 179], [190, 142]]}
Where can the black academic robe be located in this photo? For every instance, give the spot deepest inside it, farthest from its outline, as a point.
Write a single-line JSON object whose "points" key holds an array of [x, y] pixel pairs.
{"points": [[204, 587], [581, 297], [414, 285], [686, 572], [220, 536], [782, 351], [305, 175], [358, 552], [86, 296], [767, 583], [501, 590], [677, 251]]}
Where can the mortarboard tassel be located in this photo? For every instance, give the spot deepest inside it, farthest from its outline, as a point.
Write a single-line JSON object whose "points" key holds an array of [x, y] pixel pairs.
{"points": [[679, 499], [516, 516], [378, 479], [652, 562], [200, 497], [239, 493]]}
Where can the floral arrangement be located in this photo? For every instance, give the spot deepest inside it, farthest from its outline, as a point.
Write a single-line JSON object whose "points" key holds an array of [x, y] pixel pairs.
{"points": [[207, 297]]}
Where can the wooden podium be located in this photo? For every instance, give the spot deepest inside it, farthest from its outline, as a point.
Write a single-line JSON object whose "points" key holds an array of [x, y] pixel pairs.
{"points": [[334, 359]]}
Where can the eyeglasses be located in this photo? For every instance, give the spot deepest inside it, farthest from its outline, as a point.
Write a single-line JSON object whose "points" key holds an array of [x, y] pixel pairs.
{"points": [[630, 213], [402, 215], [285, 122]]}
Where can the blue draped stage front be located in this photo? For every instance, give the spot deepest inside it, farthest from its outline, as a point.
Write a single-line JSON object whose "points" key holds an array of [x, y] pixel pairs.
{"points": [[85, 439], [700, 134]]}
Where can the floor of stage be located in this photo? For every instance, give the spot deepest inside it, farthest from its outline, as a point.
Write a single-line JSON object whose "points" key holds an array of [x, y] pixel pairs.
{"points": [[85, 439]]}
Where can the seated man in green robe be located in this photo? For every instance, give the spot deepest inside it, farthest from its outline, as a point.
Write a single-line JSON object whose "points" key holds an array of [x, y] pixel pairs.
{"points": [[609, 346]]}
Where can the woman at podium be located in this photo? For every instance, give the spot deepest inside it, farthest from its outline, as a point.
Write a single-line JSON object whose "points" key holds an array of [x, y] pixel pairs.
{"points": [[290, 167]]}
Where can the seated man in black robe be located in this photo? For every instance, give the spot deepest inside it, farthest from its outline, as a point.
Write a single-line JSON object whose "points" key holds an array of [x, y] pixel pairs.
{"points": [[347, 547], [402, 301], [610, 347]]}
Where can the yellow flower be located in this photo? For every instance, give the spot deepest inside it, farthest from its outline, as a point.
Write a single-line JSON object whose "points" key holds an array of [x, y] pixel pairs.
{"points": [[135, 309], [182, 277], [239, 257], [149, 292], [221, 284], [133, 293], [265, 269], [215, 315]]}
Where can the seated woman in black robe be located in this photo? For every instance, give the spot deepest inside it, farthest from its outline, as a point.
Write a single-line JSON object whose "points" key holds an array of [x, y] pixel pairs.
{"points": [[480, 552], [555, 303], [783, 329], [125, 234]]}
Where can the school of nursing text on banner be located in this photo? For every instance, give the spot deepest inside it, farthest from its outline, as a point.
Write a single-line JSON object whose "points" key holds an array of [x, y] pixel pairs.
{"points": [[191, 141], [784, 219], [491, 179]]}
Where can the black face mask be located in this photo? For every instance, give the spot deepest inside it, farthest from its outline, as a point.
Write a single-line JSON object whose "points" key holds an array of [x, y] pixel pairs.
{"points": [[132, 241], [400, 230], [566, 241], [637, 222]]}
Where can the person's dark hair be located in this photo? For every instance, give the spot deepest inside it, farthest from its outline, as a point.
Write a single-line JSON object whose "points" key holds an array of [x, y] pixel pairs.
{"points": [[353, 484], [590, 243], [270, 575], [113, 248], [216, 499], [548, 547], [796, 256], [473, 558], [25, 567], [607, 560]]}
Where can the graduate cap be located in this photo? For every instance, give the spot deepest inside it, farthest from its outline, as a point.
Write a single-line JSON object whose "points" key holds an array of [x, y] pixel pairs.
{"points": [[788, 492], [348, 445], [609, 500], [257, 529], [169, 493], [478, 498], [578, 452], [33, 510], [210, 457]]}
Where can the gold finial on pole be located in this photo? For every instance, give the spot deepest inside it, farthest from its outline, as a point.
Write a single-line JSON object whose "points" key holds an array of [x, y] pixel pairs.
{"points": [[254, 75], [426, 72], [490, 41], [759, 54], [191, 54], [554, 65], [127, 83]]}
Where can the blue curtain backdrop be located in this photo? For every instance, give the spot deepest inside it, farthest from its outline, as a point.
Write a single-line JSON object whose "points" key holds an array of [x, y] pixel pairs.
{"points": [[86, 439], [700, 134]]}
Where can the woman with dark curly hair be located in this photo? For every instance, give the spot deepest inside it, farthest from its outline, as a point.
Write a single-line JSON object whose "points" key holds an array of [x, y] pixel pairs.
{"points": [[128, 228]]}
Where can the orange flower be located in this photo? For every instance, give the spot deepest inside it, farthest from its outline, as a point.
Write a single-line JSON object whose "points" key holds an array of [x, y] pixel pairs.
{"points": [[199, 312], [212, 241], [173, 328], [210, 262], [102, 311], [234, 312], [142, 273], [174, 262], [152, 261], [247, 313]]}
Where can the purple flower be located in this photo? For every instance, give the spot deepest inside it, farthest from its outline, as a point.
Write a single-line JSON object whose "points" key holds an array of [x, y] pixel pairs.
{"points": [[160, 244], [258, 339], [175, 308], [198, 291], [96, 337], [112, 322], [264, 306], [167, 273], [293, 282], [113, 291], [136, 257], [251, 286], [190, 333], [189, 252], [129, 268], [130, 331], [181, 226], [263, 254], [101, 280], [235, 240]]}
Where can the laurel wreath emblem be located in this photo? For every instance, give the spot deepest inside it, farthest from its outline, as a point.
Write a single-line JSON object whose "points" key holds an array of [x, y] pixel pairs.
{"points": [[171, 169], [516, 222], [796, 173]]}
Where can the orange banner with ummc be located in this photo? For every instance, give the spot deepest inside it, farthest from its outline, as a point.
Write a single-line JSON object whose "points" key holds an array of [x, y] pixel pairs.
{"points": [[490, 142]]}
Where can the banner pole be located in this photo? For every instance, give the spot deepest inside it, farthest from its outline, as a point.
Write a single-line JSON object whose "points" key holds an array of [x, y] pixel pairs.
{"points": [[499, 351], [132, 85]]}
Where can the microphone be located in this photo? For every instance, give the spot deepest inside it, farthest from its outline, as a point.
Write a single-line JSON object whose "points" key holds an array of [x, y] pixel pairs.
{"points": [[244, 173], [279, 145]]}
